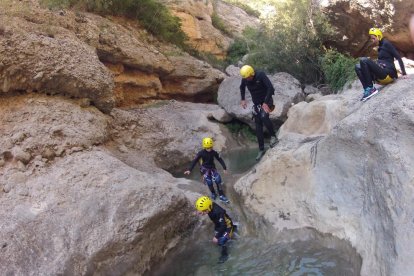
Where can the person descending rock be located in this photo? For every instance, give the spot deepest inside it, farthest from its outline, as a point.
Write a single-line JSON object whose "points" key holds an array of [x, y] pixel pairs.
{"points": [[261, 90], [208, 168], [223, 225], [383, 71]]}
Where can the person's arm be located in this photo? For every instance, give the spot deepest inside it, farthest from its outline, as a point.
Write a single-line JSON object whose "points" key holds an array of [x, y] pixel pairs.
{"points": [[218, 157], [397, 57], [269, 88], [193, 163], [243, 93], [243, 89]]}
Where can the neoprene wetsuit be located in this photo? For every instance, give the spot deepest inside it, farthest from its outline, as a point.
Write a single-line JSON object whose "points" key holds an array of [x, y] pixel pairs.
{"points": [[368, 70], [223, 225], [261, 89], [208, 169]]}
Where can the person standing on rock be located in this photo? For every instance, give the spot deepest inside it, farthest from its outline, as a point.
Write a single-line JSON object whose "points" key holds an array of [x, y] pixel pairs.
{"points": [[261, 90], [223, 225], [383, 71], [208, 168]]}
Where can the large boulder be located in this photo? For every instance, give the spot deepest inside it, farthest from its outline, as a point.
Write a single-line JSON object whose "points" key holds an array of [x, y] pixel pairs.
{"points": [[90, 213], [69, 53], [44, 127], [83, 192], [349, 175], [33, 60]]}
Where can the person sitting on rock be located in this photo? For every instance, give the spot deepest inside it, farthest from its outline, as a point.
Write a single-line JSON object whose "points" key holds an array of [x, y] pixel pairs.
{"points": [[223, 225], [261, 90], [383, 71], [208, 168]]}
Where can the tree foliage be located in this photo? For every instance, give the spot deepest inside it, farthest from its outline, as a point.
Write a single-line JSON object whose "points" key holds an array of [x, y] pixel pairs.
{"points": [[290, 41], [338, 69]]}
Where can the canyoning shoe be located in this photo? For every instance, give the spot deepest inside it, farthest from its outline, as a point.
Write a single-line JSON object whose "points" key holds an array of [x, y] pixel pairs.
{"points": [[365, 93], [260, 155], [368, 93], [213, 196], [224, 199], [273, 141]]}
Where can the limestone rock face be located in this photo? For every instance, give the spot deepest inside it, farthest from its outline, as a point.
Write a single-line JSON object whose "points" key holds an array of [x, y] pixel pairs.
{"points": [[196, 20], [319, 117], [45, 127], [360, 15], [34, 61], [344, 167], [176, 132], [235, 19], [69, 53], [287, 92], [75, 215]]}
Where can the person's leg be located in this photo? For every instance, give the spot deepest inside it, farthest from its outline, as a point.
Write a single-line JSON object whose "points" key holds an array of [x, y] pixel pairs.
{"points": [[217, 180], [259, 132], [209, 181], [267, 122], [371, 71], [265, 117], [361, 78], [224, 253]]}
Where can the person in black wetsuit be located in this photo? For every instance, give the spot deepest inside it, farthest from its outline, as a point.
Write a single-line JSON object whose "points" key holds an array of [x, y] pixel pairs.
{"points": [[261, 90], [208, 168], [223, 225], [383, 71]]}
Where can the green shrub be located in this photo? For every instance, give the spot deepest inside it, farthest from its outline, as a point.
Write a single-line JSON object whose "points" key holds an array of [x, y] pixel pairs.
{"points": [[290, 41], [154, 16], [219, 24], [240, 129], [237, 50], [338, 69]]}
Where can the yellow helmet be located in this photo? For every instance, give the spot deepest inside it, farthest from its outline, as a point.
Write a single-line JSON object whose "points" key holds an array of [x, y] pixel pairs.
{"points": [[204, 203], [207, 143], [377, 32], [246, 71]]}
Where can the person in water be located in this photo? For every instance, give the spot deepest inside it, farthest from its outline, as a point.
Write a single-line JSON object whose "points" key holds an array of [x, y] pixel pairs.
{"points": [[208, 168], [383, 71], [223, 225], [261, 90]]}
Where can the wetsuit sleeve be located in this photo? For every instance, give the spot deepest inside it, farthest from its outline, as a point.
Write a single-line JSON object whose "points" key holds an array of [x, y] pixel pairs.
{"points": [[218, 157], [194, 162], [269, 88], [243, 89], [397, 57]]}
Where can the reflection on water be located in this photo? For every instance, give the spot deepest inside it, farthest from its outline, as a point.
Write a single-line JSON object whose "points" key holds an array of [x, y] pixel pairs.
{"points": [[254, 256], [251, 254]]}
